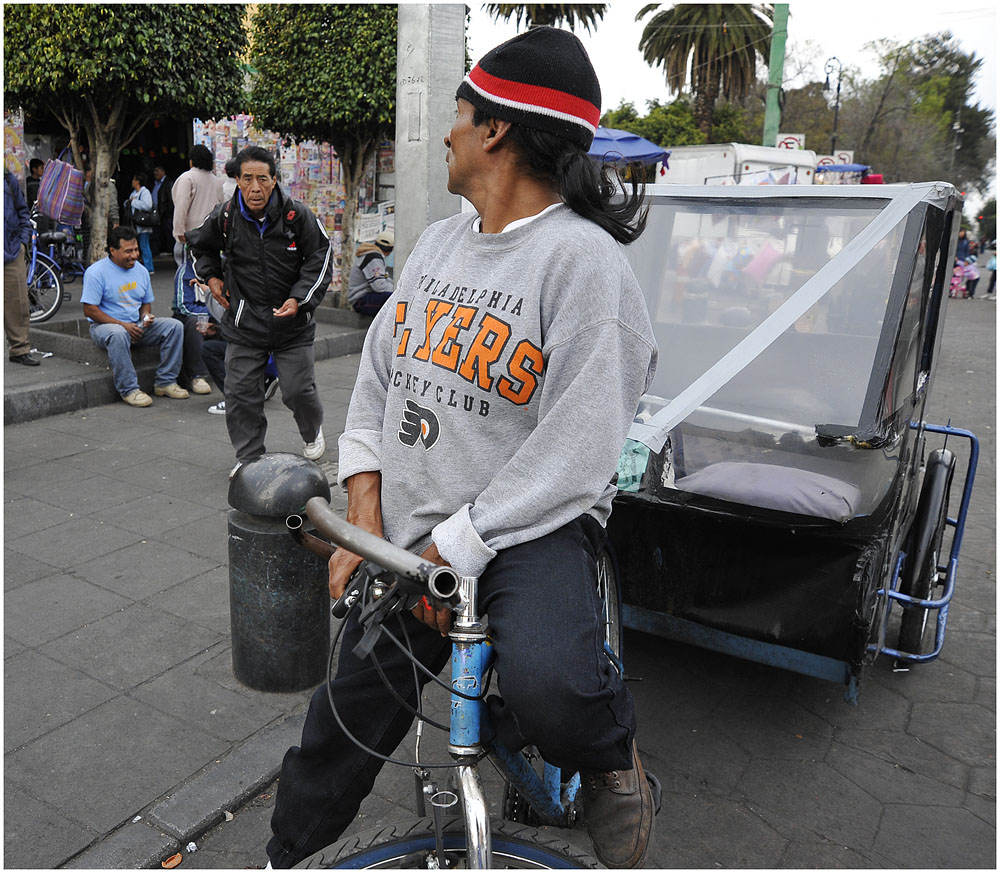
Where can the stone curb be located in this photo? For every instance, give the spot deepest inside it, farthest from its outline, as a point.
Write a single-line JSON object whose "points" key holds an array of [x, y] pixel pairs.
{"points": [[198, 805], [25, 404]]}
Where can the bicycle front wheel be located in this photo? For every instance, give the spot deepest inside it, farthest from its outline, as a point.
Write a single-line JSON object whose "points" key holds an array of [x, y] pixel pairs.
{"points": [[45, 292], [411, 845]]}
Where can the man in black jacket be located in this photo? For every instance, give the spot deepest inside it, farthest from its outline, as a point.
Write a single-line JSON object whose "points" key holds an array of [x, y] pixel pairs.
{"points": [[278, 265]]}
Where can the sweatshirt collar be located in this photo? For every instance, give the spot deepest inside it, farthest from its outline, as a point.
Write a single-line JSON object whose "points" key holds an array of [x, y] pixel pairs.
{"points": [[477, 224]]}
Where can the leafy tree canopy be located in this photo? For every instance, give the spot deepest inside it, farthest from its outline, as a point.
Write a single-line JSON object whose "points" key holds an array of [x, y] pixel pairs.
{"points": [[136, 60], [914, 121], [714, 46], [105, 71], [325, 71], [666, 124], [328, 72], [553, 14]]}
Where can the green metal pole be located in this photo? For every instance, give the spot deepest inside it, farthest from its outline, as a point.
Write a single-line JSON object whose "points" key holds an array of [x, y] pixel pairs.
{"points": [[772, 111]]}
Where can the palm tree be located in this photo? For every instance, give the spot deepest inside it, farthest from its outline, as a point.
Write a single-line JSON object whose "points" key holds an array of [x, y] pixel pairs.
{"points": [[554, 14], [721, 43]]}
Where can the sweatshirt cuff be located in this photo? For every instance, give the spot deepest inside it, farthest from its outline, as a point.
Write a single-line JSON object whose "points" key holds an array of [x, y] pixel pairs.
{"points": [[460, 545], [360, 452]]}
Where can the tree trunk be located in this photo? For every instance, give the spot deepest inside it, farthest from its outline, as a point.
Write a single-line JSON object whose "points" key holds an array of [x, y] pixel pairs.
{"points": [[704, 106], [101, 194], [354, 160]]}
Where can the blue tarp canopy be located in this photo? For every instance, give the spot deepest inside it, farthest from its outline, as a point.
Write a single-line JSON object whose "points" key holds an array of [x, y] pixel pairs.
{"points": [[619, 146], [843, 168]]}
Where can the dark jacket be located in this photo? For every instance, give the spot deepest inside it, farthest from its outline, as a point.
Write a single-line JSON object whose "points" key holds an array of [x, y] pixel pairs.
{"points": [[292, 257], [16, 219]]}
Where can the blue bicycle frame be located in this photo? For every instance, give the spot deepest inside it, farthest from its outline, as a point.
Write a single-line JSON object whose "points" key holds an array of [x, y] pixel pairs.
{"points": [[472, 654]]}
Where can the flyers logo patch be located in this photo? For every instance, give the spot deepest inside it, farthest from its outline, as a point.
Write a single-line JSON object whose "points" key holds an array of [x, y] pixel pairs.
{"points": [[419, 423]]}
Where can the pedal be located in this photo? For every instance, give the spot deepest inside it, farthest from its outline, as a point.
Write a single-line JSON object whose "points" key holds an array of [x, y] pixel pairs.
{"points": [[656, 790]]}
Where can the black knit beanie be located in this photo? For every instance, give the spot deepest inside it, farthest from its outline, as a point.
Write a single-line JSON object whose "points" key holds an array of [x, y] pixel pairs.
{"points": [[541, 79]]}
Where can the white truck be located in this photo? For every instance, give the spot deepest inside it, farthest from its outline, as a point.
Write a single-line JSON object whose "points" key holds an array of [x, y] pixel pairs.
{"points": [[735, 163]]}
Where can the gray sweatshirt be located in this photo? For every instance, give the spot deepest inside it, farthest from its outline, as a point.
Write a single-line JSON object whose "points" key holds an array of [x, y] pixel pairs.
{"points": [[497, 385]]}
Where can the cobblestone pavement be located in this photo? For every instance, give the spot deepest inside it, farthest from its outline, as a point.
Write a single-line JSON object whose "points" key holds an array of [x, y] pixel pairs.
{"points": [[126, 735]]}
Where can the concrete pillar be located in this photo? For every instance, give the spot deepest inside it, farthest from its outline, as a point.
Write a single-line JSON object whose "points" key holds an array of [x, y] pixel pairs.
{"points": [[429, 67]]}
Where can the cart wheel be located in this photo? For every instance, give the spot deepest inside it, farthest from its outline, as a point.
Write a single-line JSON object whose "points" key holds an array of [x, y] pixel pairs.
{"points": [[923, 547], [609, 592]]}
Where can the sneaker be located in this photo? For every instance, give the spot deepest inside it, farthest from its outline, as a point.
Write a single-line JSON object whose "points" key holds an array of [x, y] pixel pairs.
{"points": [[137, 398], [270, 386], [218, 409], [314, 450], [619, 809], [173, 390], [200, 386]]}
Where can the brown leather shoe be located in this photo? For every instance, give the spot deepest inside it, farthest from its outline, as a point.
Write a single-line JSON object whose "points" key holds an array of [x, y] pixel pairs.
{"points": [[619, 810]]}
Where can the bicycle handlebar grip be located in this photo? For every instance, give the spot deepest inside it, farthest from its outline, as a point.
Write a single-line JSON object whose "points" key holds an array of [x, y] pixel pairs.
{"points": [[441, 582]]}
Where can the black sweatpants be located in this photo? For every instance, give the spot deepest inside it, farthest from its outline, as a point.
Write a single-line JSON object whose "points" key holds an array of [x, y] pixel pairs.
{"points": [[558, 689], [245, 419]]}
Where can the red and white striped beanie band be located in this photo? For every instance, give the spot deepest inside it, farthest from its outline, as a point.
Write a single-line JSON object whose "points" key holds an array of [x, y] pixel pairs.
{"points": [[541, 79]]}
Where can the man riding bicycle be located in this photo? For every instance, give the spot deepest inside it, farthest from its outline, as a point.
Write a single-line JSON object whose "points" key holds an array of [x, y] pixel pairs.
{"points": [[495, 391]]}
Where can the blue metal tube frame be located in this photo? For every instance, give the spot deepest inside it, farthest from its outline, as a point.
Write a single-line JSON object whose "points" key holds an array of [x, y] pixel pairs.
{"points": [[471, 731], [940, 604]]}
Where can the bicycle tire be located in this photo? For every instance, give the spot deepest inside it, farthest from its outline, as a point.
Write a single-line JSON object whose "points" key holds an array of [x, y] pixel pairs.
{"points": [[408, 844], [45, 292]]}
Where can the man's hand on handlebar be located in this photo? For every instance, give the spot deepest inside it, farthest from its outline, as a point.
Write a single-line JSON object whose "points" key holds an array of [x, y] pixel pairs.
{"points": [[341, 565], [438, 619]]}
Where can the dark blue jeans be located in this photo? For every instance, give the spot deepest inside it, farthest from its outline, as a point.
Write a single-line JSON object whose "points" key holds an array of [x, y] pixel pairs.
{"points": [[372, 302], [558, 690]]}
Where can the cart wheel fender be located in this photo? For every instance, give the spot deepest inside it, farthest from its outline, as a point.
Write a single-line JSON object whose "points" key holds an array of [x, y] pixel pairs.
{"points": [[927, 525]]}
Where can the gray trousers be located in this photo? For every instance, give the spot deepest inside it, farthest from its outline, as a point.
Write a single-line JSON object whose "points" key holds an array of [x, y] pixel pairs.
{"points": [[15, 306], [245, 395]]}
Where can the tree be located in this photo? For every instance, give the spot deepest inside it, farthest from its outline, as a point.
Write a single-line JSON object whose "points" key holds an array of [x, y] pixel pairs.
{"points": [[105, 71], [986, 221], [806, 110], [328, 72], [668, 125], [914, 121], [535, 15], [720, 42]]}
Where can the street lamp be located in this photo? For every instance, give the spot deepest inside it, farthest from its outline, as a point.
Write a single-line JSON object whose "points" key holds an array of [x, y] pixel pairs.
{"points": [[830, 67]]}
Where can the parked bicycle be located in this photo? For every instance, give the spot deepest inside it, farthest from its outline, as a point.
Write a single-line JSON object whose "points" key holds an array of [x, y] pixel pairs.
{"points": [[538, 799], [45, 284]]}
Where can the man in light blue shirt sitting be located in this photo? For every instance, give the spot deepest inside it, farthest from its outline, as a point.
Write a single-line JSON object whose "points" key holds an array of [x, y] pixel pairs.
{"points": [[117, 299]]}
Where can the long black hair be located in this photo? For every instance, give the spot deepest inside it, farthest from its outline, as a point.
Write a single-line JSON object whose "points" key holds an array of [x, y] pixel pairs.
{"points": [[597, 193]]}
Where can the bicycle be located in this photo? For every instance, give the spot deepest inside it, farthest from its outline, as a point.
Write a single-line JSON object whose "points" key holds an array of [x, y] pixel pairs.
{"points": [[537, 799], [45, 286]]}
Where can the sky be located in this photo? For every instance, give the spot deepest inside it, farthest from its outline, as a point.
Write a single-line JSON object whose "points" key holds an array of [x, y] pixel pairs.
{"points": [[816, 31]]}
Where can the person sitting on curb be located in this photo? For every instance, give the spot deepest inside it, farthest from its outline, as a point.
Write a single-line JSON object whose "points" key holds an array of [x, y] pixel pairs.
{"points": [[189, 308], [369, 285], [117, 300]]}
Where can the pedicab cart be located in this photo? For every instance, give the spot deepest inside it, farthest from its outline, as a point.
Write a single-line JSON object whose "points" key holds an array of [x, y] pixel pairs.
{"points": [[781, 497]]}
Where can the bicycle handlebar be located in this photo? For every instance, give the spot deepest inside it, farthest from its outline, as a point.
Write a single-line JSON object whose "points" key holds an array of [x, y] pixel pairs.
{"points": [[441, 582]]}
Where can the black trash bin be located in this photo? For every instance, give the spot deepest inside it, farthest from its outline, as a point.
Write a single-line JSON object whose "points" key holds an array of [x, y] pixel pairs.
{"points": [[279, 604]]}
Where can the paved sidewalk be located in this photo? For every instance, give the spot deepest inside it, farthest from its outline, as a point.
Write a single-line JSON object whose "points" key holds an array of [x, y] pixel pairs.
{"points": [[126, 735]]}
